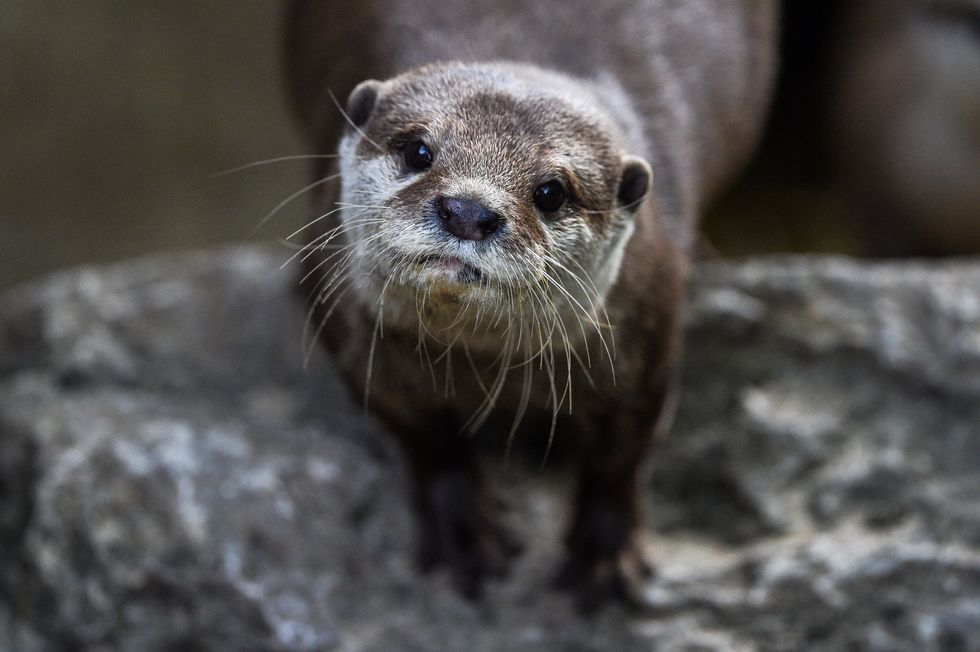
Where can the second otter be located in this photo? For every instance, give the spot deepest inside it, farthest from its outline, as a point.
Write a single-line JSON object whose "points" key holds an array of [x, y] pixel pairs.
{"points": [[510, 234]]}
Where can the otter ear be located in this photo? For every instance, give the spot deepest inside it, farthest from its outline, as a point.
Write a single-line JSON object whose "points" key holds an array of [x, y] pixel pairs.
{"points": [[361, 101], [634, 183]]}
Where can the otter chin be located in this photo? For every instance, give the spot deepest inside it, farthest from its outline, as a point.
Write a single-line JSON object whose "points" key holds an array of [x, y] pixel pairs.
{"points": [[449, 270], [448, 277], [509, 238]]}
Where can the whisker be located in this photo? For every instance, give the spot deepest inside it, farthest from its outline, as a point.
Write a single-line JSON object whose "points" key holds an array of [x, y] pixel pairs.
{"points": [[284, 202], [333, 98], [323, 323], [635, 202], [321, 242], [521, 410], [608, 323], [374, 341], [278, 159], [314, 221]]}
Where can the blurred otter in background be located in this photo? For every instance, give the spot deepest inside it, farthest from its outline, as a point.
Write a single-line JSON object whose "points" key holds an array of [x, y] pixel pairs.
{"points": [[873, 144], [905, 123]]}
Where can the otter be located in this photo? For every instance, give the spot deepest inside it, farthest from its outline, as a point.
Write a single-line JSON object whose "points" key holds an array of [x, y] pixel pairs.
{"points": [[518, 187]]}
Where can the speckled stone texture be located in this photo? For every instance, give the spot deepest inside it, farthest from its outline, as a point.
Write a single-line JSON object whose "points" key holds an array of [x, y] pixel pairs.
{"points": [[172, 478]]}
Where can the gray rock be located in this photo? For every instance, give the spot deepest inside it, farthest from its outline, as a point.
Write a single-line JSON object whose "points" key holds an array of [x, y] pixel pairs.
{"points": [[173, 478]]}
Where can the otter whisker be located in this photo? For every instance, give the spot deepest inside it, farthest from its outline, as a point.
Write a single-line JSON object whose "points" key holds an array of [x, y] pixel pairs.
{"points": [[349, 205], [278, 207], [332, 278], [584, 369], [422, 346], [636, 202], [585, 366], [278, 159], [432, 370], [598, 330], [476, 373], [592, 292], [325, 243], [566, 293], [550, 362], [544, 339], [450, 382], [605, 316], [331, 282], [490, 401], [321, 242], [333, 98], [378, 329], [321, 217], [565, 340], [308, 352], [349, 250], [525, 399], [589, 296], [449, 347]]}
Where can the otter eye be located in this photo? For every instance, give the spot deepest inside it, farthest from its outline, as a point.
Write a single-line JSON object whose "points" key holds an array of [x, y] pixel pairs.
{"points": [[549, 196], [417, 155]]}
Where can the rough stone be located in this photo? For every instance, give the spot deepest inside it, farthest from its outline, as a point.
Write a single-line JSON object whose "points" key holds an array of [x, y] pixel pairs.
{"points": [[173, 478]]}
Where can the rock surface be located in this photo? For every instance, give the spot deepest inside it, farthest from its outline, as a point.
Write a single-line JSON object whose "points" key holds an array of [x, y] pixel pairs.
{"points": [[172, 478]]}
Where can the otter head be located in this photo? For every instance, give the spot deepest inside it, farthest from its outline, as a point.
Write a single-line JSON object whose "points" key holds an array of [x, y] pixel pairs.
{"points": [[491, 189]]}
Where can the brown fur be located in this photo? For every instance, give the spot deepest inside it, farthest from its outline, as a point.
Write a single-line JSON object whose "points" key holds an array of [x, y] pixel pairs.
{"points": [[682, 85]]}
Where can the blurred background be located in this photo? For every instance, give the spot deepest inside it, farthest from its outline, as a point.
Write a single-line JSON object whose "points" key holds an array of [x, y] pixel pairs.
{"points": [[115, 115], [873, 146]]}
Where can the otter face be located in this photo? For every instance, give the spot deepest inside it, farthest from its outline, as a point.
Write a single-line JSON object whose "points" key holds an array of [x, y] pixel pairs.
{"points": [[476, 189]]}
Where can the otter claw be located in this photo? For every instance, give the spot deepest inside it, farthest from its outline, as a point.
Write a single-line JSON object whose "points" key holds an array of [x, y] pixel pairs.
{"points": [[621, 576]]}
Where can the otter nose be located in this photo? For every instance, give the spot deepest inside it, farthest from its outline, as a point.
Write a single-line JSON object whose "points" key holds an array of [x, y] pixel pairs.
{"points": [[467, 219]]}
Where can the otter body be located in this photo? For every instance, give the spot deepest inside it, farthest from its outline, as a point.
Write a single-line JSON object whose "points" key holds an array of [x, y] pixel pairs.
{"points": [[510, 232]]}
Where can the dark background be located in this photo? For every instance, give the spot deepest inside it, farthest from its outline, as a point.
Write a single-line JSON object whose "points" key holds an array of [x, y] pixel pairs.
{"points": [[114, 116]]}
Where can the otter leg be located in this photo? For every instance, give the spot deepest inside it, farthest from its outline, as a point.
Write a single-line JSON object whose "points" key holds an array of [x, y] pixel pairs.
{"points": [[460, 521], [606, 539]]}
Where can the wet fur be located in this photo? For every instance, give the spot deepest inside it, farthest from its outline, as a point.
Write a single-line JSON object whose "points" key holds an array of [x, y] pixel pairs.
{"points": [[576, 313]]}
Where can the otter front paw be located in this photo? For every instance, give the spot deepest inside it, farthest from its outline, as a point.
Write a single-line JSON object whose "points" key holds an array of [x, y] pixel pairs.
{"points": [[606, 559], [462, 528]]}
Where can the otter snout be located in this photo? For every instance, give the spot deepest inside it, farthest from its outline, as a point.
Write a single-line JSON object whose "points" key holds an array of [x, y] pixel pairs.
{"points": [[467, 219]]}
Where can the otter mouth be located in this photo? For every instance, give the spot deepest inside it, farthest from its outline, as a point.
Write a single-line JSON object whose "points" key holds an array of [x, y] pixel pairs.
{"points": [[451, 267]]}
